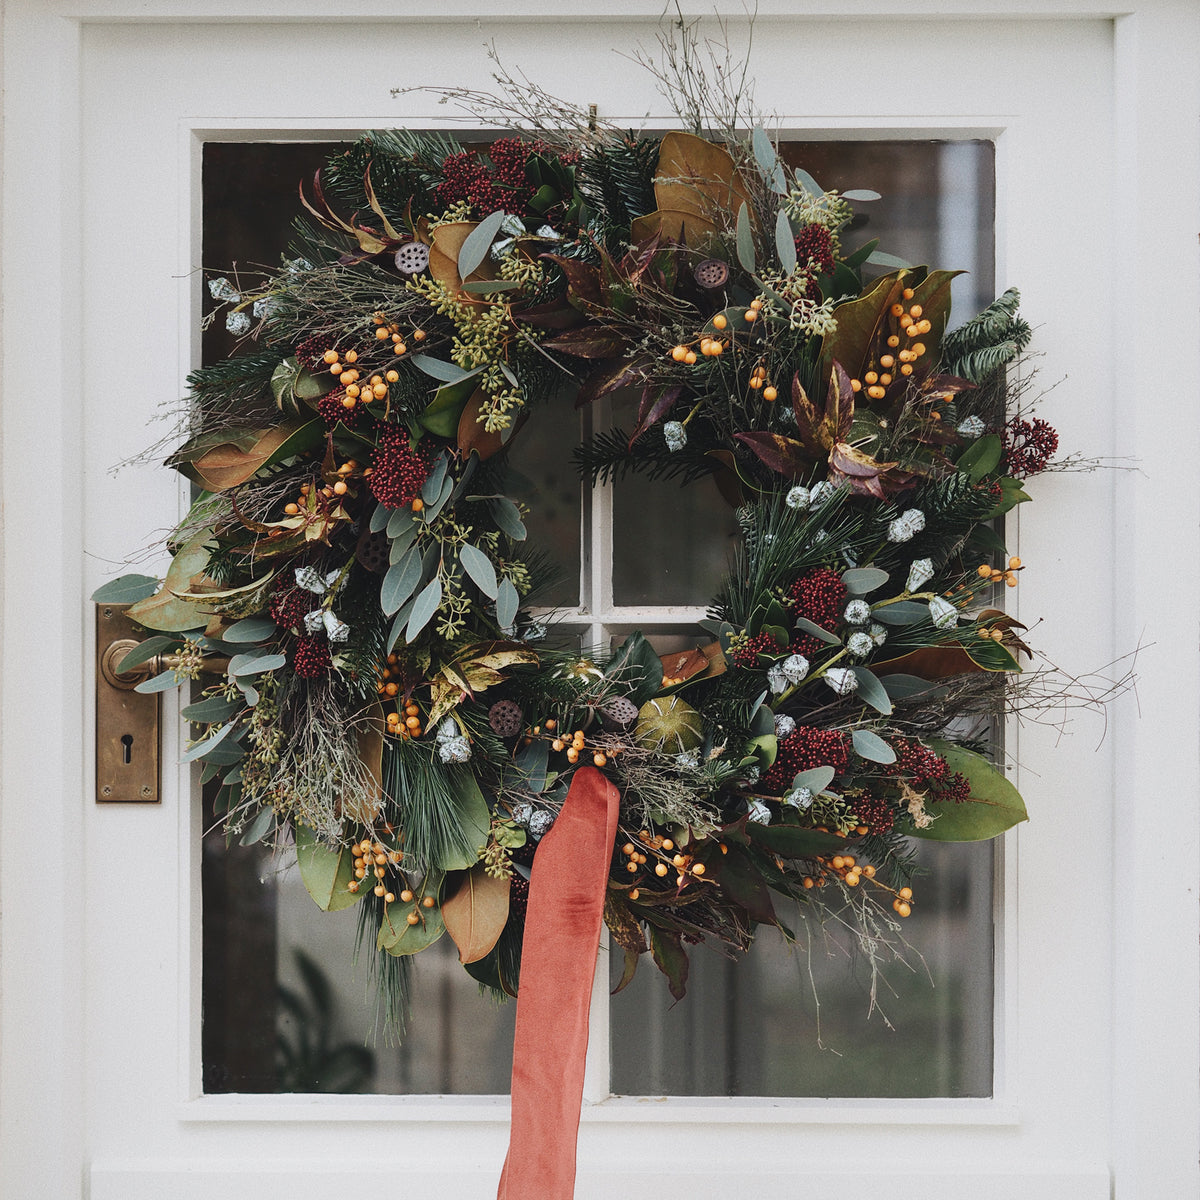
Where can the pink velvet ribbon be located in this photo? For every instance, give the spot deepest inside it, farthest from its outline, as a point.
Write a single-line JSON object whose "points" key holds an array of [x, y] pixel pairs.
{"points": [[558, 962]]}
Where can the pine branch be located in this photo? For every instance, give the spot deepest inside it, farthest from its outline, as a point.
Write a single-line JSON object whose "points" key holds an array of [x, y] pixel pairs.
{"points": [[987, 343]]}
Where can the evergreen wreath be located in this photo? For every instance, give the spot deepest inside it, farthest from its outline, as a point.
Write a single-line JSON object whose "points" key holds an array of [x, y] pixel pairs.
{"points": [[393, 705]]}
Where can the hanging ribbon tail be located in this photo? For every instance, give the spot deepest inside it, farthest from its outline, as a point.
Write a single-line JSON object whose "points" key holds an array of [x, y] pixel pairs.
{"points": [[558, 962]]}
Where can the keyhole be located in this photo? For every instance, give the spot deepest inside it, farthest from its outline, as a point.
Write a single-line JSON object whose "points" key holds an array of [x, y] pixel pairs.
{"points": [[127, 744]]}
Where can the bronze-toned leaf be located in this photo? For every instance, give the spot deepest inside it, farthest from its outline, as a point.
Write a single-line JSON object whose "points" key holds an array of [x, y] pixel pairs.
{"points": [[445, 243], [655, 405], [670, 225], [228, 465], [164, 611], [476, 913], [624, 926], [865, 475], [583, 280], [589, 342], [610, 375], [369, 729], [783, 455], [472, 436], [698, 176]]}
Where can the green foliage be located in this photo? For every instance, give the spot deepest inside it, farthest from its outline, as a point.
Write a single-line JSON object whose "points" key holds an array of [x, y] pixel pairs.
{"points": [[987, 343], [616, 178]]}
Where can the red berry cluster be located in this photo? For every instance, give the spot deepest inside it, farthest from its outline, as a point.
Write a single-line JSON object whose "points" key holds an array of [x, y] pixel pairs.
{"points": [[927, 771], [1028, 446], [803, 749], [312, 658], [311, 352], [467, 177], [814, 244], [819, 596], [332, 410], [398, 471], [289, 604], [877, 814], [746, 653]]}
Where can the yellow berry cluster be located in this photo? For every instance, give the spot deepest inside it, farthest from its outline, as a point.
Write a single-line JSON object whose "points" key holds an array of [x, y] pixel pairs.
{"points": [[668, 856], [339, 488], [907, 325], [385, 330], [406, 726], [995, 575], [758, 380], [575, 747], [851, 872], [713, 347], [374, 858]]}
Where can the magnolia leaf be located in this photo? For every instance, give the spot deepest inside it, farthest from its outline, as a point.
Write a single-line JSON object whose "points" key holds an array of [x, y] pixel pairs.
{"points": [[164, 611], [785, 243], [326, 872], [128, 589], [793, 841], [994, 804], [471, 436], [399, 938], [426, 605], [479, 567], [476, 244], [871, 746], [508, 603], [229, 465], [743, 883], [861, 581], [589, 342], [476, 913], [981, 457], [446, 243], [442, 414], [901, 687], [696, 175], [745, 239], [871, 691]]}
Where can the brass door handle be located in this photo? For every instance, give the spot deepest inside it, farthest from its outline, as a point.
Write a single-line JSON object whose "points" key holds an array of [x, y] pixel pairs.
{"points": [[116, 651]]}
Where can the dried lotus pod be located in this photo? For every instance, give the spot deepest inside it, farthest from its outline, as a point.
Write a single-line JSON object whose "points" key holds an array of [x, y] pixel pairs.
{"points": [[412, 258], [711, 273], [618, 713], [669, 723], [506, 718], [372, 551]]}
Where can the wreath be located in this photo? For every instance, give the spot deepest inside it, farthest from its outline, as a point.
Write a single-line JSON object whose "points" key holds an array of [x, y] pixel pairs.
{"points": [[393, 704]]}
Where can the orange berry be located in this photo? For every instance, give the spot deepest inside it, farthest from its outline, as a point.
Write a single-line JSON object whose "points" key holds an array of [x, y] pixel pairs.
{"points": [[770, 394], [418, 504], [720, 321]]}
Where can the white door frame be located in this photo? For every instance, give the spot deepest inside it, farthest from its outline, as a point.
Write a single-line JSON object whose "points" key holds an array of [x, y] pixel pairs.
{"points": [[1136, 894]]}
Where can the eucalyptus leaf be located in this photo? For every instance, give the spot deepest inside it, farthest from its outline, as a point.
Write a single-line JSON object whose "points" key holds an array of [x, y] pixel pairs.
{"points": [[205, 748], [860, 194], [861, 581], [816, 779], [402, 543], [533, 761], [145, 650], [901, 687], [249, 693], [902, 612], [877, 258], [160, 683], [785, 243], [477, 243], [400, 582], [745, 238], [398, 624], [431, 489], [211, 710], [808, 183], [251, 629], [424, 608], [263, 823], [432, 511], [872, 747], [255, 664], [508, 603], [485, 287], [128, 589], [804, 625], [380, 516], [871, 691], [436, 368], [508, 517], [764, 152], [479, 567]]}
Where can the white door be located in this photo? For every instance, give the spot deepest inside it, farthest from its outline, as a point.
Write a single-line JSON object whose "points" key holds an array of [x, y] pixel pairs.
{"points": [[1095, 1073]]}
